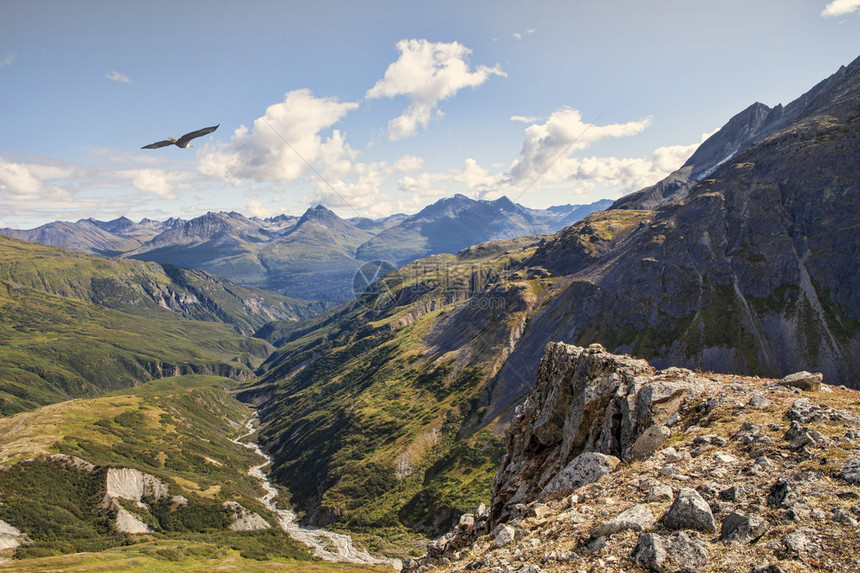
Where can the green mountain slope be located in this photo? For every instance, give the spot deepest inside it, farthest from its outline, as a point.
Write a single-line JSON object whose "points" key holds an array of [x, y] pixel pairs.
{"points": [[53, 348], [145, 288]]}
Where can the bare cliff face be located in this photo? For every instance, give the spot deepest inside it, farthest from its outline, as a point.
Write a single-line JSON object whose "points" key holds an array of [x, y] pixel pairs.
{"points": [[614, 466]]}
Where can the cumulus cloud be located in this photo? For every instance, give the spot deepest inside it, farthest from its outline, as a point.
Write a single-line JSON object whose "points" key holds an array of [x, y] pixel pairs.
{"points": [[427, 73], [281, 144], [547, 145], [8, 60], [159, 182], [840, 8], [118, 77]]}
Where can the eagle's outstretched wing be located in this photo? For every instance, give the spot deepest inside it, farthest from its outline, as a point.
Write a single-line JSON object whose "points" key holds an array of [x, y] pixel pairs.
{"points": [[183, 141], [158, 144]]}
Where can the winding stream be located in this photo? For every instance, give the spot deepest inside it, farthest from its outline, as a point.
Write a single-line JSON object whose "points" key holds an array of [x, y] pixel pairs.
{"points": [[326, 545]]}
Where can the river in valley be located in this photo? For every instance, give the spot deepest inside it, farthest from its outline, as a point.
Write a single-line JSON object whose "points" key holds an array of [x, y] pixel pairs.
{"points": [[325, 544]]}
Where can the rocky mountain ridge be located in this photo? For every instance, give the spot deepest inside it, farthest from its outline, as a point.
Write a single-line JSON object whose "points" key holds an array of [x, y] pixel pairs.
{"points": [[314, 256], [614, 465]]}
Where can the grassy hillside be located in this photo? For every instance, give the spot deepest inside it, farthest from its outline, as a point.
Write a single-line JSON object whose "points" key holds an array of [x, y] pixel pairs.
{"points": [[176, 429], [144, 287], [53, 348]]}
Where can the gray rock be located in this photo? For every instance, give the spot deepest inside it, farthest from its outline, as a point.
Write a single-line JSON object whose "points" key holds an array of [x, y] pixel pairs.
{"points": [[504, 535], [768, 569], [743, 528], [663, 554], [582, 470], [798, 541], [851, 471], [538, 511], [759, 401], [637, 518], [597, 544], [689, 511], [660, 493], [651, 439], [803, 380], [842, 516], [738, 493]]}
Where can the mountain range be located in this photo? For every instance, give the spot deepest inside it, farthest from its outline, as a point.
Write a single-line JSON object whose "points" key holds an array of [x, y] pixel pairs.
{"points": [[312, 257]]}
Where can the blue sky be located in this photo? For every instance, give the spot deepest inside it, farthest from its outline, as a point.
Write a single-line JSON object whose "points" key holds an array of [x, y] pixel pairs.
{"points": [[376, 107]]}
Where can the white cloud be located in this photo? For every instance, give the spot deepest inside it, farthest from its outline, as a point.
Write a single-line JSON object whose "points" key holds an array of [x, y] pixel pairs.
{"points": [[159, 182], [477, 178], [525, 118], [840, 8], [521, 35], [8, 60], [118, 77], [280, 144], [547, 145], [427, 73]]}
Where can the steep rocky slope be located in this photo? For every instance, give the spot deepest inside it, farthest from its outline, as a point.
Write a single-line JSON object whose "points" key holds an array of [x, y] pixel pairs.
{"points": [[612, 465]]}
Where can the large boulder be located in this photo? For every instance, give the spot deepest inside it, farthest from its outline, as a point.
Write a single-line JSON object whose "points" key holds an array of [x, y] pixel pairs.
{"points": [[690, 511], [586, 400]]}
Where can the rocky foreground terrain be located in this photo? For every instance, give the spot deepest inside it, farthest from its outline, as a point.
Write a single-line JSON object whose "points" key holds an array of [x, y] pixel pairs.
{"points": [[613, 466]]}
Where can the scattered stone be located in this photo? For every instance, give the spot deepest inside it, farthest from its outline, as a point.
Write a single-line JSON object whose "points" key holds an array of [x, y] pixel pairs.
{"points": [[738, 493], [584, 469], [851, 471], [724, 458], [637, 518], [798, 541], [805, 411], [759, 401], [804, 380], [538, 511], [842, 516], [672, 456], [597, 544], [662, 554], [660, 493], [742, 528], [651, 439], [689, 511], [504, 535]]}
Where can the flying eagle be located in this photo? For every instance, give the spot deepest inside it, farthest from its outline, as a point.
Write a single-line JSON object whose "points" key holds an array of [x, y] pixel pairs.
{"points": [[182, 141]]}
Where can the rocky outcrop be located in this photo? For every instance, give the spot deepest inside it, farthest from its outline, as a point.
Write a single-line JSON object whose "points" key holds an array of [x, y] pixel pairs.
{"points": [[731, 485], [133, 485], [587, 406], [10, 537]]}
